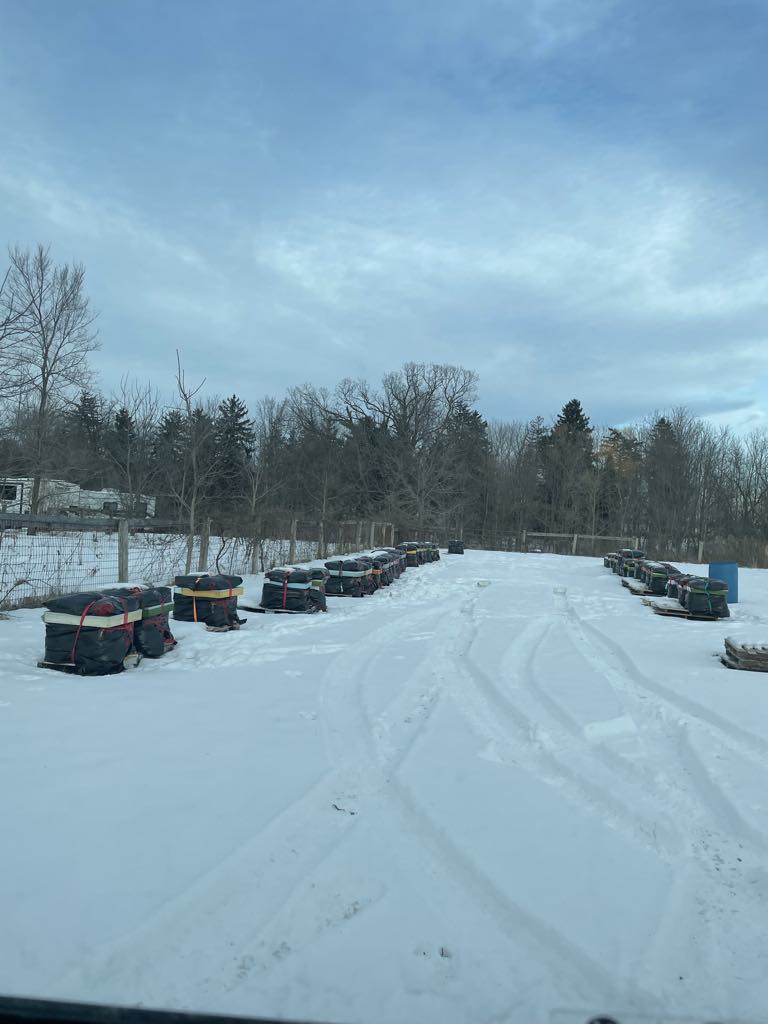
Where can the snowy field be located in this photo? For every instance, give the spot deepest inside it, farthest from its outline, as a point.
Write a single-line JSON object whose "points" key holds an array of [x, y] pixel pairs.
{"points": [[447, 802]]}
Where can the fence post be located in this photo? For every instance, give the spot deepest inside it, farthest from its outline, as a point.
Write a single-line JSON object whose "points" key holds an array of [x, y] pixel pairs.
{"points": [[359, 536], [321, 539], [292, 547], [701, 551], [575, 542], [522, 542], [373, 536], [122, 550], [391, 535], [205, 537]]}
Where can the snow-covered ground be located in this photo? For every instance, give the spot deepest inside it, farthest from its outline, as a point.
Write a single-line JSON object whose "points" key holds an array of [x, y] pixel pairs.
{"points": [[447, 802]]}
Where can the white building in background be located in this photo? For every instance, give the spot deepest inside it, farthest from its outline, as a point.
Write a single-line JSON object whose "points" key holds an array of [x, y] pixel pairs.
{"points": [[59, 497]]}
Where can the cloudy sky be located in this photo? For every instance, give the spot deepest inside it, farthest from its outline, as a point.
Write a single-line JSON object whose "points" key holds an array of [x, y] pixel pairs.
{"points": [[567, 196]]}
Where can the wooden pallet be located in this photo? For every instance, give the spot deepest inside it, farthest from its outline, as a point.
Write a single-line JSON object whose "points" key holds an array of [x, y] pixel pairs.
{"points": [[749, 657], [277, 611], [683, 613], [70, 668], [738, 664], [678, 612], [636, 587]]}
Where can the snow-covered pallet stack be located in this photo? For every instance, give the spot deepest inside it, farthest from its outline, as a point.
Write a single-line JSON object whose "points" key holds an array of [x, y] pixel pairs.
{"points": [[751, 657]]}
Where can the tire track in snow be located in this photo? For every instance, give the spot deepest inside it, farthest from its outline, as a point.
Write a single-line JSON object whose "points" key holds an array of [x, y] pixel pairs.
{"points": [[398, 813], [565, 959], [167, 929], [381, 813], [534, 750], [722, 811], [744, 742], [727, 852], [351, 740], [624, 676], [705, 872]]}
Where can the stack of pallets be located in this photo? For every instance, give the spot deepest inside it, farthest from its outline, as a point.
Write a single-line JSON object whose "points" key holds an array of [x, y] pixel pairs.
{"points": [[752, 657]]}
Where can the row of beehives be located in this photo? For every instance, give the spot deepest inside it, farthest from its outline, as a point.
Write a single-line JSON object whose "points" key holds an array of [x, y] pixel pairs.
{"points": [[681, 594], [97, 633]]}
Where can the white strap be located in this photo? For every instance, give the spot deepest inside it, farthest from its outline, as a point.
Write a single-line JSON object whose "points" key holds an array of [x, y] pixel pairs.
{"points": [[94, 621]]}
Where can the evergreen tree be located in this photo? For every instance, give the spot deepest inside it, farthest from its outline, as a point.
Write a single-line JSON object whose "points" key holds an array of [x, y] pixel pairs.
{"points": [[82, 455], [665, 471], [620, 462], [168, 456], [567, 466], [466, 448], [123, 425], [572, 419], [235, 441]]}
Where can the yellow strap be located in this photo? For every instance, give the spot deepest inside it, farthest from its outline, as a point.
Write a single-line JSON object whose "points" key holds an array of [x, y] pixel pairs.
{"points": [[233, 592]]}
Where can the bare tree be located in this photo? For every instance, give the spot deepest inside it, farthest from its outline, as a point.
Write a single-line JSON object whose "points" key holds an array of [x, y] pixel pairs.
{"points": [[198, 461], [412, 408], [53, 334], [12, 309]]}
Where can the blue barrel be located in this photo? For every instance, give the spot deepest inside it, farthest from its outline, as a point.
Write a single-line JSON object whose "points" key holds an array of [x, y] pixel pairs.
{"points": [[728, 572]]}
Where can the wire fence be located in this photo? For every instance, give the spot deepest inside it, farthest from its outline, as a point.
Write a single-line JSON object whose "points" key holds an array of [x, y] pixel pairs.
{"points": [[44, 556], [745, 551]]}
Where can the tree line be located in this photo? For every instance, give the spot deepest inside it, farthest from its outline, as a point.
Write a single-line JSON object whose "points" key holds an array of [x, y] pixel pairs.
{"points": [[412, 450]]}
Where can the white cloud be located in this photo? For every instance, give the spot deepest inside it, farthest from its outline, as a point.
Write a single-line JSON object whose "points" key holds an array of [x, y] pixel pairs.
{"points": [[628, 249], [84, 216]]}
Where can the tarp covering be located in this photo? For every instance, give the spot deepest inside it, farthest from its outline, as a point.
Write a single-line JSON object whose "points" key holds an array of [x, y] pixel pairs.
{"points": [[675, 585], [371, 581], [628, 557], [152, 636], [349, 577], [702, 596], [292, 590], [391, 560], [90, 633], [411, 549], [657, 575], [211, 599]]}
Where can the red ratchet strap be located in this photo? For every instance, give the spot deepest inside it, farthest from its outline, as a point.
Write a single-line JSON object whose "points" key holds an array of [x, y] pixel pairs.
{"points": [[127, 627], [79, 628]]}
